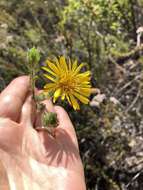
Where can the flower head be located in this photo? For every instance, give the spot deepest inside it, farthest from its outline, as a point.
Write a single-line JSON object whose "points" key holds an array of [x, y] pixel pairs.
{"points": [[67, 81]]}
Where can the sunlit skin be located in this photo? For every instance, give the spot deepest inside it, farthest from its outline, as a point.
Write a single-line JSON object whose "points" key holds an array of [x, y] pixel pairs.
{"points": [[33, 159]]}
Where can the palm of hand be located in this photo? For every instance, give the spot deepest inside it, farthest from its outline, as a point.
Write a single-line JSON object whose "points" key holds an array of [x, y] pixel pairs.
{"points": [[35, 160]]}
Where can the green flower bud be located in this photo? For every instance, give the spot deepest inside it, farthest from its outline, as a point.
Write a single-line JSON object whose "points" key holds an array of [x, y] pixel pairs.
{"points": [[33, 55], [49, 119]]}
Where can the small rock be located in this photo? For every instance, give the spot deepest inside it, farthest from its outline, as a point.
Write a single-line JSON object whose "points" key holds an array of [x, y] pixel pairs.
{"points": [[97, 100], [114, 100], [4, 25]]}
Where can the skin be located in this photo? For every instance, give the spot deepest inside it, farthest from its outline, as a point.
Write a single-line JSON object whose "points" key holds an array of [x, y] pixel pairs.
{"points": [[30, 158]]}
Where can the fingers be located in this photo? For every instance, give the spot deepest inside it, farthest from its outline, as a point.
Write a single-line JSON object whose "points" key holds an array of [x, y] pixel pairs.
{"points": [[50, 108], [65, 124], [64, 120], [28, 112], [49, 105], [4, 184], [10, 135], [12, 98]]}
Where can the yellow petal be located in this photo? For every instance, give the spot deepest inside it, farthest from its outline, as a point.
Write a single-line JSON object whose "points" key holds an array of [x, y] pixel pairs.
{"points": [[78, 68], [70, 65], [52, 66], [74, 66], [83, 85], [74, 102], [63, 63], [50, 77], [63, 96], [84, 91], [49, 86], [49, 71], [81, 97], [58, 64], [85, 74], [57, 93], [67, 96]]}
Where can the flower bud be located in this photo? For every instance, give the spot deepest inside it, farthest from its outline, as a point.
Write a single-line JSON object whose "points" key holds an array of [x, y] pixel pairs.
{"points": [[49, 119], [33, 55]]}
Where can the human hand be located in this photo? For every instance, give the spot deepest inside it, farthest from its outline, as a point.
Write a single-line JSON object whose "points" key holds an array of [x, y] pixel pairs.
{"points": [[34, 160]]}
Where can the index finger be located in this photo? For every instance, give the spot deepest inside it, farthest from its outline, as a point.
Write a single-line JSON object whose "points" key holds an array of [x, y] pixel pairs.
{"points": [[13, 97]]}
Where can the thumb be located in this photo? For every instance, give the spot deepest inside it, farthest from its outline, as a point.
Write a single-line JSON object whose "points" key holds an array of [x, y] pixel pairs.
{"points": [[65, 124]]}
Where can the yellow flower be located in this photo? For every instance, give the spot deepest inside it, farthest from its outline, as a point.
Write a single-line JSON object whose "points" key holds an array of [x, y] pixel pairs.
{"points": [[66, 81]]}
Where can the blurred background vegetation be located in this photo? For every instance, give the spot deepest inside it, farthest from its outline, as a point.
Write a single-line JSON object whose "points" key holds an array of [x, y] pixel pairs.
{"points": [[101, 33]]}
